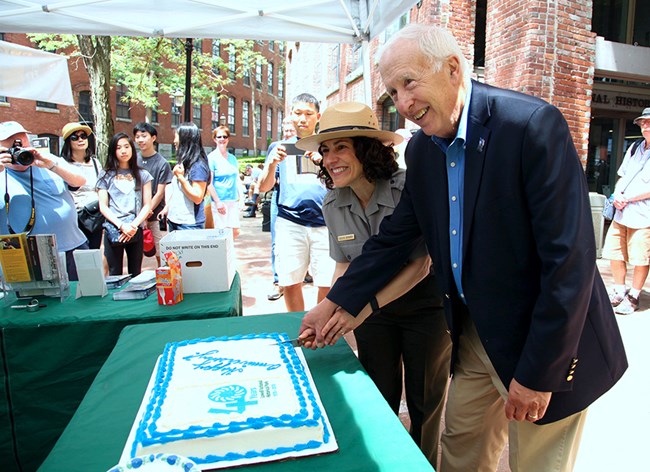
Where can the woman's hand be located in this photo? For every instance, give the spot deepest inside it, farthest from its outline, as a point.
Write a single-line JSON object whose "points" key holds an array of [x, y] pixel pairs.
{"points": [[178, 170], [129, 230], [221, 207]]}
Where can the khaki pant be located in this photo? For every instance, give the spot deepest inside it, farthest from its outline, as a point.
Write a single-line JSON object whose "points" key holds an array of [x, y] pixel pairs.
{"points": [[476, 428]]}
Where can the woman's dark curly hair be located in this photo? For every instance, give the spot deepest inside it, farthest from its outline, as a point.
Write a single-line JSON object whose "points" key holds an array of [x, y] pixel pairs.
{"points": [[377, 160]]}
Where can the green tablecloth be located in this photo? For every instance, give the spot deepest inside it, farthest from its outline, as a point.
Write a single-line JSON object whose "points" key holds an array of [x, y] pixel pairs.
{"points": [[49, 358], [369, 435]]}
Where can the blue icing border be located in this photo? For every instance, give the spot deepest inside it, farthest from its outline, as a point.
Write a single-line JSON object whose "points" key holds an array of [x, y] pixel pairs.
{"points": [[147, 433]]}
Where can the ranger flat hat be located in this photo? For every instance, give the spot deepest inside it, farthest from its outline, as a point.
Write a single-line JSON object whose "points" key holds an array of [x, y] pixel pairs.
{"points": [[348, 120]]}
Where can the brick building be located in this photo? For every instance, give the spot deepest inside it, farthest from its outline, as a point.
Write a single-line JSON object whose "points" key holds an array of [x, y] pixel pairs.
{"points": [[235, 109], [590, 58]]}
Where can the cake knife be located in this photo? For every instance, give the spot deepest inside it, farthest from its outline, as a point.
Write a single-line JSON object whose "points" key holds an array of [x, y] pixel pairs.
{"points": [[296, 342]]}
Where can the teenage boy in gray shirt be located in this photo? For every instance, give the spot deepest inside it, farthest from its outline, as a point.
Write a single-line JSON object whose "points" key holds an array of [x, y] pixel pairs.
{"points": [[145, 136]]}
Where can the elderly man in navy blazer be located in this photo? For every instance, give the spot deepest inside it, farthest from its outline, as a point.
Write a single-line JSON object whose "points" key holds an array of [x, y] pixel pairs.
{"points": [[495, 186]]}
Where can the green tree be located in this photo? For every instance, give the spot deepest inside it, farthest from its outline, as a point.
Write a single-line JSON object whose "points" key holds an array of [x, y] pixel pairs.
{"points": [[148, 67]]}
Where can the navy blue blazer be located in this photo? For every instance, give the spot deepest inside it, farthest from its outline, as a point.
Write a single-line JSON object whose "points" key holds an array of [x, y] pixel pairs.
{"points": [[529, 259]]}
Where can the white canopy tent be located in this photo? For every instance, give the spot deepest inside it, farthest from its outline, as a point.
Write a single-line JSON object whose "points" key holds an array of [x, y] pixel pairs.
{"points": [[334, 21]]}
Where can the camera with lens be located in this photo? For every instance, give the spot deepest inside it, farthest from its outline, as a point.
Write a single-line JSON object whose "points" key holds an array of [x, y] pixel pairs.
{"points": [[20, 155]]}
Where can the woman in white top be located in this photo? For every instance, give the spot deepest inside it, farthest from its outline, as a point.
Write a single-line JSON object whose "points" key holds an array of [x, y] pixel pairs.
{"points": [[78, 149], [184, 195]]}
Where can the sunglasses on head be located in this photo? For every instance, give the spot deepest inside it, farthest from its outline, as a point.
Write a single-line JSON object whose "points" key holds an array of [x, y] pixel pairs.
{"points": [[75, 137], [222, 137]]}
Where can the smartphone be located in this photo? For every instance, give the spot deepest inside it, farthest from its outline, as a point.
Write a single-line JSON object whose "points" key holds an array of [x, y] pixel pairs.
{"points": [[292, 150], [304, 164], [41, 143]]}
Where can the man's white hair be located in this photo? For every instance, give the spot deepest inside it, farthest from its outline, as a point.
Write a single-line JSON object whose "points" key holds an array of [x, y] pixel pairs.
{"points": [[436, 43]]}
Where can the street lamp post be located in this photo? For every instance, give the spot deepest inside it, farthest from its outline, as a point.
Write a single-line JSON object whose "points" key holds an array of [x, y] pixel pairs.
{"points": [[222, 120], [188, 79]]}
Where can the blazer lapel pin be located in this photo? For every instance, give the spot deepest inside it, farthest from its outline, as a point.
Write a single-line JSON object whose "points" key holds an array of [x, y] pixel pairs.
{"points": [[481, 145]]}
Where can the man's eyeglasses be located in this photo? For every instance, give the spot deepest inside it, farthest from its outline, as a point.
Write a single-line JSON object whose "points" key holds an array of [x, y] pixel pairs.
{"points": [[222, 137], [76, 137]]}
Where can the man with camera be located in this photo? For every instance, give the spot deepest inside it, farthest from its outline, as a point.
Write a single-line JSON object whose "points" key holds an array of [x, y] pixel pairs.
{"points": [[37, 200]]}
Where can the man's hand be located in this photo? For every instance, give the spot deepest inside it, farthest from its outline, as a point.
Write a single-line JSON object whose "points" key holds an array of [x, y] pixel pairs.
{"points": [[338, 325], [526, 404], [313, 323], [279, 154]]}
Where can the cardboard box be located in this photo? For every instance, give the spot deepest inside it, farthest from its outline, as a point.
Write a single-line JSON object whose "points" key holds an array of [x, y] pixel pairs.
{"points": [[207, 258]]}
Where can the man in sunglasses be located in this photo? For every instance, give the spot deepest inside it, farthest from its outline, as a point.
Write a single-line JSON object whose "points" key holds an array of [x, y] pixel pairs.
{"points": [[35, 188]]}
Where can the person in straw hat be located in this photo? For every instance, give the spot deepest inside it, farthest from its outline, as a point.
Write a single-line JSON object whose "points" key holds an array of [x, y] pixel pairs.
{"points": [[407, 329], [79, 150], [628, 237]]}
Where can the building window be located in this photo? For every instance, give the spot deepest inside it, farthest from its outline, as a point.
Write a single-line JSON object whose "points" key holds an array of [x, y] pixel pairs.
{"points": [[641, 33], [281, 82], [280, 124], [389, 116], [232, 62], [397, 25], [176, 116], [281, 46], [121, 107], [269, 77], [85, 106], [258, 121], [231, 115], [48, 105], [258, 76], [216, 56], [245, 118], [153, 112], [479, 33], [271, 45], [197, 114], [334, 64], [247, 77], [214, 116], [269, 123], [355, 57], [622, 21]]}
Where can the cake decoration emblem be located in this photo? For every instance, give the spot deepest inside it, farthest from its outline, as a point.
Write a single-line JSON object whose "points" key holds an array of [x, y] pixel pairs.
{"points": [[233, 397], [211, 361]]}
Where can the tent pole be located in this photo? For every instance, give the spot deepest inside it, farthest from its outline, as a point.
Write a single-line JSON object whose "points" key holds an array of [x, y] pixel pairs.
{"points": [[188, 79]]}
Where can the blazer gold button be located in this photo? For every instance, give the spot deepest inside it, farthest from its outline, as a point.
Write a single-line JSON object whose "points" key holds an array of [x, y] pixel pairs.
{"points": [[569, 378]]}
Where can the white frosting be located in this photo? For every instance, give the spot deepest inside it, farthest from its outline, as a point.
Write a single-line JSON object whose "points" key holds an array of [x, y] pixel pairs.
{"points": [[227, 401]]}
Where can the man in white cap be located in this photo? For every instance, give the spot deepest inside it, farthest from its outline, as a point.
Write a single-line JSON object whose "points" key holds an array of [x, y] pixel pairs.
{"points": [[34, 185], [628, 238]]}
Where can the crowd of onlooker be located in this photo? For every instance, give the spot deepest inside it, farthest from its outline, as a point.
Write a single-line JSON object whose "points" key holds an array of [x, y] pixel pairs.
{"points": [[129, 202]]}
